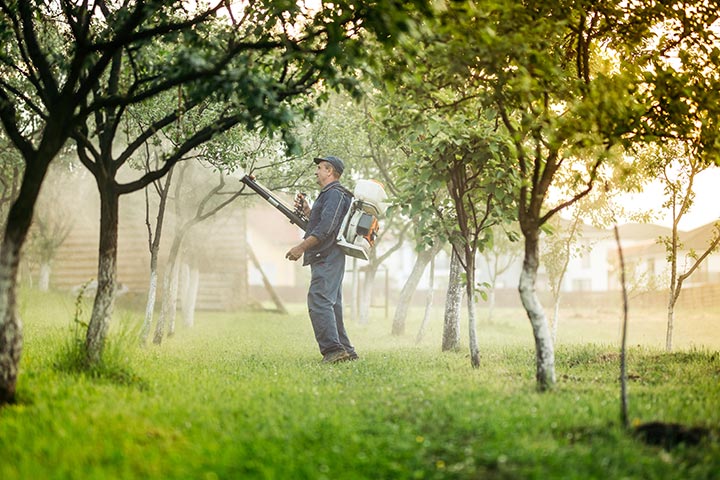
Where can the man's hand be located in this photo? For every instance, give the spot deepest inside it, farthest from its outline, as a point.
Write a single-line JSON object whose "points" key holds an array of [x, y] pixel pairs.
{"points": [[295, 253], [302, 204]]}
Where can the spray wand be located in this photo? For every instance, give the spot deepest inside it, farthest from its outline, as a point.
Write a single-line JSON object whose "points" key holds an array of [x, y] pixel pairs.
{"points": [[296, 216]]}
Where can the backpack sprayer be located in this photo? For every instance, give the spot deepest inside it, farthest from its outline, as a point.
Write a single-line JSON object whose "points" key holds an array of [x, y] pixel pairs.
{"points": [[359, 227]]}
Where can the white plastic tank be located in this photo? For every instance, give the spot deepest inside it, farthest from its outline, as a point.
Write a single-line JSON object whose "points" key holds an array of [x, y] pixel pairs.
{"points": [[372, 192]]}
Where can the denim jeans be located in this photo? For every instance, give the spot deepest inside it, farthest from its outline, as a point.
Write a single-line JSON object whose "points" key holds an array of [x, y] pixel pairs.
{"points": [[325, 302]]}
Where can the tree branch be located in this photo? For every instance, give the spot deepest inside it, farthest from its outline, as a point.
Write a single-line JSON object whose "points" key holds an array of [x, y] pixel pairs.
{"points": [[36, 55], [8, 117], [197, 139]]}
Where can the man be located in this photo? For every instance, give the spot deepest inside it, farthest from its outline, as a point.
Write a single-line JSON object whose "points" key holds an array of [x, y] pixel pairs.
{"points": [[327, 261]]}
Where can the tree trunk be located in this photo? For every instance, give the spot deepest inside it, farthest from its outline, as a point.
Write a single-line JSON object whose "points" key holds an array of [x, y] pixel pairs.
{"points": [[421, 262], [169, 298], [171, 310], [154, 252], [453, 302], [428, 303], [472, 326], [152, 295], [355, 298], [674, 287], [190, 296], [17, 225], [44, 277], [11, 340], [183, 285], [169, 286], [106, 276], [556, 317], [544, 353], [366, 293], [266, 281], [670, 322]]}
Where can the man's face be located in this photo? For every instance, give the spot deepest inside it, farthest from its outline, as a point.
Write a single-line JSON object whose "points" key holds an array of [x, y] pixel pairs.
{"points": [[324, 173]]}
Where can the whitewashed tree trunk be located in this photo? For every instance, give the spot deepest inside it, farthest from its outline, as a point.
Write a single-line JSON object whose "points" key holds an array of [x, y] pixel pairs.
{"points": [[11, 339], [355, 292], [167, 302], [366, 293], [423, 258], [15, 233], [190, 297], [670, 325], [472, 330], [44, 277], [470, 298], [152, 296], [183, 286], [149, 307], [556, 319], [172, 304], [453, 303], [544, 351], [106, 277], [154, 253], [103, 308], [428, 303]]}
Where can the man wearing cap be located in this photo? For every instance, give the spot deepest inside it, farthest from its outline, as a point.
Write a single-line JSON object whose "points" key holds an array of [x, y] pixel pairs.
{"points": [[327, 261]]}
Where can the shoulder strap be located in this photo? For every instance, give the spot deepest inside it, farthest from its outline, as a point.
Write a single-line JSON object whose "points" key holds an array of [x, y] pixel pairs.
{"points": [[343, 190]]}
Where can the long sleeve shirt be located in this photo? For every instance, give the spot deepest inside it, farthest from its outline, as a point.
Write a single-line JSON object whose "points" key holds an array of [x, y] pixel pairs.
{"points": [[326, 216]]}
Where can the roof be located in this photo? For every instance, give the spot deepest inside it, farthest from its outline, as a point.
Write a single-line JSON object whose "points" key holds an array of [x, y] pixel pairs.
{"points": [[697, 239], [700, 237], [642, 231]]}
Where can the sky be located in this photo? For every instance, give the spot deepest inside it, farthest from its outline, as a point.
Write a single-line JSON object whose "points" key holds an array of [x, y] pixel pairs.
{"points": [[706, 208]]}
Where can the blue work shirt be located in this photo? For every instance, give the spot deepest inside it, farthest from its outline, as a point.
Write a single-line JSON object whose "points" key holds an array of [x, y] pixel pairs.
{"points": [[326, 216]]}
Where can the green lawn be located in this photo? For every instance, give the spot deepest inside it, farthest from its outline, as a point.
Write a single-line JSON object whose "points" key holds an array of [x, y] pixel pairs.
{"points": [[243, 395]]}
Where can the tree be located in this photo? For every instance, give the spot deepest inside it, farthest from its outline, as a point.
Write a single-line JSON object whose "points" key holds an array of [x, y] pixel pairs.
{"points": [[373, 264], [454, 153], [162, 188], [226, 151], [470, 208], [678, 166], [561, 103], [423, 258], [204, 210], [560, 246], [75, 70], [684, 121]]}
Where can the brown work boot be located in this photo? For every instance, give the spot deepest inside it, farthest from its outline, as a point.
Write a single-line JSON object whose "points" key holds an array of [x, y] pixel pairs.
{"points": [[336, 357]]}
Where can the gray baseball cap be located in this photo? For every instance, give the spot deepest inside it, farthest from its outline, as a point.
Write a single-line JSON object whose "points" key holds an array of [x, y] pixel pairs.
{"points": [[332, 160]]}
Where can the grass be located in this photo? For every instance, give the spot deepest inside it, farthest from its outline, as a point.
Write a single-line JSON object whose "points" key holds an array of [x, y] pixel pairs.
{"points": [[243, 395]]}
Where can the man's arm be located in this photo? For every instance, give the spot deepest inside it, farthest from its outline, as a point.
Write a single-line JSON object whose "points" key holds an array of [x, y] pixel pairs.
{"points": [[331, 215]]}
